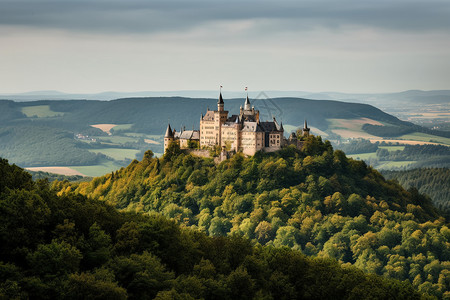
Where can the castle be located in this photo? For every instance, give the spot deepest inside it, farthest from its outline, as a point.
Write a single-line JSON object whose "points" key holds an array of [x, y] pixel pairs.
{"points": [[236, 133]]}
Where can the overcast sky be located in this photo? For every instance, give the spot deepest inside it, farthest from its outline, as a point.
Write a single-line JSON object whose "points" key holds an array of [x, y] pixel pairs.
{"points": [[319, 45]]}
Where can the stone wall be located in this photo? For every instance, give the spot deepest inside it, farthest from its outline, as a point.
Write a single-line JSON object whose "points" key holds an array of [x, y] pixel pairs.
{"points": [[198, 152]]}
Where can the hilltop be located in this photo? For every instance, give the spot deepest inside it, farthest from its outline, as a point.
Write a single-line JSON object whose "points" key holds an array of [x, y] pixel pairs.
{"points": [[315, 200], [75, 247]]}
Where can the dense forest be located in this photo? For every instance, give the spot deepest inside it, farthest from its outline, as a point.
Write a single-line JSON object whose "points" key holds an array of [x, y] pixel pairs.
{"points": [[70, 246], [357, 146], [434, 182], [418, 156], [315, 200]]}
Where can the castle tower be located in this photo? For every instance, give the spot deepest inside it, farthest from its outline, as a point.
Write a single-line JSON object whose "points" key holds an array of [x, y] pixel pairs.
{"points": [[247, 104], [168, 137], [305, 130], [220, 117], [220, 103]]}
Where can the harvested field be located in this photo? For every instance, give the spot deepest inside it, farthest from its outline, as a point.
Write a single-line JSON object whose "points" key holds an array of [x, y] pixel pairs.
{"points": [[57, 170], [148, 141], [104, 127], [352, 128], [349, 134]]}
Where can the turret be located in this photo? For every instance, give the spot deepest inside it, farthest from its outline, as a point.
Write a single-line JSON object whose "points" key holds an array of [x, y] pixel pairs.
{"points": [[220, 103], [247, 104], [168, 137], [305, 130]]}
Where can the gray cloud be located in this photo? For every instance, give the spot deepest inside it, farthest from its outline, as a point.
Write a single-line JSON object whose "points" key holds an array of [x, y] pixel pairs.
{"points": [[137, 16]]}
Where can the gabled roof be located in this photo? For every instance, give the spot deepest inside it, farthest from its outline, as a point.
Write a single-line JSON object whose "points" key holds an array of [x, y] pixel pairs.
{"points": [[270, 126], [209, 116], [233, 118], [190, 135]]}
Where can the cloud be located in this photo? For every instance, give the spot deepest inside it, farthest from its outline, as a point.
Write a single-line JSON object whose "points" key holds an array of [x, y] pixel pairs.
{"points": [[137, 16]]}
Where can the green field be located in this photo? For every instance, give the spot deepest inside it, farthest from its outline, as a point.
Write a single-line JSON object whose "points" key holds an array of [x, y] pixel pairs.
{"points": [[117, 153], [116, 139], [40, 111], [394, 164], [423, 137], [363, 156], [122, 127], [392, 148], [98, 170], [145, 136]]}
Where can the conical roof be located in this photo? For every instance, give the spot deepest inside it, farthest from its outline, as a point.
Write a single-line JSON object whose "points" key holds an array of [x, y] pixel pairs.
{"points": [[169, 132], [220, 99], [306, 125], [247, 104]]}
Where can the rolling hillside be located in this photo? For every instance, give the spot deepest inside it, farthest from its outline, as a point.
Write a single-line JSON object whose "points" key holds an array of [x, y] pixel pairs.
{"points": [[315, 200], [28, 129]]}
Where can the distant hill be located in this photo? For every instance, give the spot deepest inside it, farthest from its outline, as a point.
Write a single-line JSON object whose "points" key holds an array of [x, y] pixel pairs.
{"points": [[150, 115], [142, 121], [389, 99], [434, 182]]}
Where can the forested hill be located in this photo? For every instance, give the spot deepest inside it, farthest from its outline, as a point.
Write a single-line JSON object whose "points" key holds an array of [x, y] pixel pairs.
{"points": [[315, 200], [150, 115], [434, 182], [75, 247]]}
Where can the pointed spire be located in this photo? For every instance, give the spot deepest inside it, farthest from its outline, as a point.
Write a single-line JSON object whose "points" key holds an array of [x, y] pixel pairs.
{"points": [[169, 132], [247, 102], [220, 101], [281, 127], [306, 125]]}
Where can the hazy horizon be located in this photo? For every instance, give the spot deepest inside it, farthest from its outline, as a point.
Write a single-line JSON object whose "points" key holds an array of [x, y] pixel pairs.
{"points": [[348, 46]]}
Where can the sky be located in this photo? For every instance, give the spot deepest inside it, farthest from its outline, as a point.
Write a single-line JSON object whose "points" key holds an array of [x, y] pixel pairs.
{"points": [[353, 46]]}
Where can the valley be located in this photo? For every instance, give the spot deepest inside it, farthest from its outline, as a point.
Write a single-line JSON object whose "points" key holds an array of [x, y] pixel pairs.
{"points": [[104, 136]]}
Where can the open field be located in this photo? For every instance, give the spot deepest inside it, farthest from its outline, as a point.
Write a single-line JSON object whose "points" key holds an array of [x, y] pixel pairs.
{"points": [[151, 142], [40, 111], [117, 153], [104, 127], [363, 156], [121, 127], [405, 142], [392, 148], [351, 128], [143, 135], [395, 164], [115, 139], [57, 170], [97, 170], [418, 136]]}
